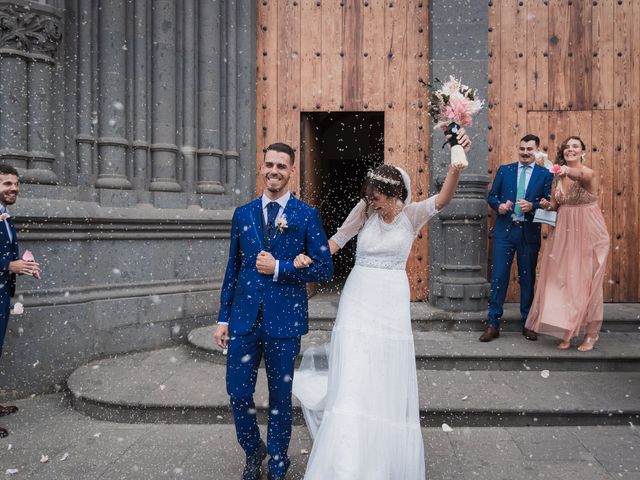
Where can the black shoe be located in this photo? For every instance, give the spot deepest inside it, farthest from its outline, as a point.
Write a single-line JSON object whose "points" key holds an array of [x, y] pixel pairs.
{"points": [[275, 477], [7, 410], [3, 432], [253, 467], [529, 334]]}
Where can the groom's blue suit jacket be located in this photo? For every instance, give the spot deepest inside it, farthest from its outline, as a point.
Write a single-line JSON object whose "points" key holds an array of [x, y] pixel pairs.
{"points": [[284, 302], [505, 187], [8, 253]]}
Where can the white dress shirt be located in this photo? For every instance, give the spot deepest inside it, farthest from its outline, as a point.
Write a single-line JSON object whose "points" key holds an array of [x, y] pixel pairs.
{"points": [[282, 201]]}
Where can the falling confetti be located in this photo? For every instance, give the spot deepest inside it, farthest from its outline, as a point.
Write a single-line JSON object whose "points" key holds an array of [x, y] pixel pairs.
{"points": [[44, 459], [446, 428], [544, 373], [64, 456]]}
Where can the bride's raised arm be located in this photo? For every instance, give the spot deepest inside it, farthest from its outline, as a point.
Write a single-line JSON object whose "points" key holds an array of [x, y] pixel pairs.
{"points": [[350, 227], [420, 213]]}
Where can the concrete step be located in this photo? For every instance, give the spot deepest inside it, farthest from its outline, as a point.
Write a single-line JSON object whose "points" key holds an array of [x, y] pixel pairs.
{"points": [[462, 351], [99, 450], [174, 386], [618, 317]]}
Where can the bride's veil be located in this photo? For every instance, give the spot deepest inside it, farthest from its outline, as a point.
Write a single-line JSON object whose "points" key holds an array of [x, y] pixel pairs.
{"points": [[407, 184]]}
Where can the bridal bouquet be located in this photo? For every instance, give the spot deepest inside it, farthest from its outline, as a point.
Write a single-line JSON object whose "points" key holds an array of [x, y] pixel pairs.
{"points": [[452, 106]]}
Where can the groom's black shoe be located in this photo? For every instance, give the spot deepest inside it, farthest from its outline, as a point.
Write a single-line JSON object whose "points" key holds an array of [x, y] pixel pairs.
{"points": [[275, 477], [253, 467]]}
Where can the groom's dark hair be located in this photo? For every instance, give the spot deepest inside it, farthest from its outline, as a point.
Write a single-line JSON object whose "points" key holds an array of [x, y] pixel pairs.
{"points": [[530, 137], [8, 170], [282, 148]]}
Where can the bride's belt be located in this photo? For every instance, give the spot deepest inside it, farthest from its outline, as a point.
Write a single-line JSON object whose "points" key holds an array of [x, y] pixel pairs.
{"points": [[383, 264]]}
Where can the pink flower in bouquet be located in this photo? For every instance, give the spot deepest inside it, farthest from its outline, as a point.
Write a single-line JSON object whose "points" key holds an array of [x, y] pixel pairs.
{"points": [[457, 111], [454, 103], [27, 256], [555, 169]]}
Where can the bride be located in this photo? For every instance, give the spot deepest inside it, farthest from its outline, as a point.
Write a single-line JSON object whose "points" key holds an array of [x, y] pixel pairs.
{"points": [[363, 412]]}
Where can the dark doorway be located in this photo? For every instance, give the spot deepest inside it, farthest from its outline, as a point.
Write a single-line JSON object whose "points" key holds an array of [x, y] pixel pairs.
{"points": [[337, 150]]}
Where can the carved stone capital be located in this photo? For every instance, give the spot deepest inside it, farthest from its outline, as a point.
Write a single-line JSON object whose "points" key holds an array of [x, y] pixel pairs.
{"points": [[30, 28]]}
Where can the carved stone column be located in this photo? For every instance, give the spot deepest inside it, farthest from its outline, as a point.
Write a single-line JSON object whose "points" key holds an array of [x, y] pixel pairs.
{"points": [[112, 144], [458, 243], [30, 35], [190, 77], [140, 92], [85, 136], [210, 76], [231, 114], [163, 148]]}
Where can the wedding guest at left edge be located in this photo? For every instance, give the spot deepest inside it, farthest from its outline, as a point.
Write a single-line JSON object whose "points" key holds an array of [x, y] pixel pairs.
{"points": [[10, 263], [515, 193]]}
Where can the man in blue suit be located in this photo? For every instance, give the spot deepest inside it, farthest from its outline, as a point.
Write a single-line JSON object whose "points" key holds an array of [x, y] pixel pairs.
{"points": [[10, 263], [263, 306], [515, 194]]}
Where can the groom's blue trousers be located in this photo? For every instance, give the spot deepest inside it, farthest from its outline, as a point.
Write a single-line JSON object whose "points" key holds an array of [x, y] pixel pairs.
{"points": [[243, 360]]}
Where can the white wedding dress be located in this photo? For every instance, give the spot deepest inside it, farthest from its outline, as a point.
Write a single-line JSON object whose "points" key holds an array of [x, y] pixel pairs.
{"points": [[363, 413]]}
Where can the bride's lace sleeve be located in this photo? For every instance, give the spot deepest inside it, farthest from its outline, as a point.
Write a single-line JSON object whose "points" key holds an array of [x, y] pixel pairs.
{"points": [[352, 225], [420, 213]]}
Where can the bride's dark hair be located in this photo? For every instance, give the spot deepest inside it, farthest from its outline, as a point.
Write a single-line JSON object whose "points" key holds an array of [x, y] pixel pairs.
{"points": [[387, 180]]}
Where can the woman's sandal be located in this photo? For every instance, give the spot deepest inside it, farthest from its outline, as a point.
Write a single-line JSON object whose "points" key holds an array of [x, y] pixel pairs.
{"points": [[588, 343], [564, 345]]}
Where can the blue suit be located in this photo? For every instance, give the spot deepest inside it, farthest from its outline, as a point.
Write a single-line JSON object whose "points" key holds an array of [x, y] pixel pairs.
{"points": [[267, 317], [8, 253], [521, 238]]}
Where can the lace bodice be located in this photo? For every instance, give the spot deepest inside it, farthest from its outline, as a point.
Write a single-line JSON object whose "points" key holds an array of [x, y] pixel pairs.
{"points": [[380, 244], [576, 195]]}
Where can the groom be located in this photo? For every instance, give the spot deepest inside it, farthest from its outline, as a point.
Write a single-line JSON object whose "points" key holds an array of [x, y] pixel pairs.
{"points": [[263, 306], [515, 194]]}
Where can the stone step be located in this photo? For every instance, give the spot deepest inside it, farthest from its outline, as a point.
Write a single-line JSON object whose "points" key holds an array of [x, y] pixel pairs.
{"points": [[618, 317], [174, 386], [462, 351]]}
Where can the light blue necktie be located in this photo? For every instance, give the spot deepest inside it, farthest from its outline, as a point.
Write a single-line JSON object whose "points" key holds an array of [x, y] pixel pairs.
{"points": [[521, 190]]}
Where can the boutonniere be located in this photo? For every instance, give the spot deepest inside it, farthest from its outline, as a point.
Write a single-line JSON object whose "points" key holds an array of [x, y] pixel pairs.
{"points": [[282, 223], [4, 216]]}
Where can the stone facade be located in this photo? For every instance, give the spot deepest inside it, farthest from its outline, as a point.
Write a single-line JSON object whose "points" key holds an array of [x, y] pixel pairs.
{"points": [[131, 123], [458, 236]]}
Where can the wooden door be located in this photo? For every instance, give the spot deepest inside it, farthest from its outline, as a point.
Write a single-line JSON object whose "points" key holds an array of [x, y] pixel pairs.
{"points": [[334, 56], [559, 68]]}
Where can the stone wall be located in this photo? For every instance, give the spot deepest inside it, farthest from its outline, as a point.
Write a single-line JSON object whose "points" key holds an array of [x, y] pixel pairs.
{"points": [[131, 123], [458, 236]]}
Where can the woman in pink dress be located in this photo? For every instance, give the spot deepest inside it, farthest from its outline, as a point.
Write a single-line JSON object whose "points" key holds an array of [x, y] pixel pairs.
{"points": [[569, 292]]}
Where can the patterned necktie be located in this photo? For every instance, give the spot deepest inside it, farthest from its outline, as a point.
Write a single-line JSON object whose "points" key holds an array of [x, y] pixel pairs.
{"points": [[272, 212], [521, 190]]}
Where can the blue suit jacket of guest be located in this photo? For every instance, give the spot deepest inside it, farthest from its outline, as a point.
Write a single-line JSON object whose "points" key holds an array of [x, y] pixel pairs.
{"points": [[505, 187], [284, 303], [8, 253]]}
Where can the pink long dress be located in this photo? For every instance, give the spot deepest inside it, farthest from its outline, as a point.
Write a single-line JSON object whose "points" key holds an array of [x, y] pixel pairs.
{"points": [[569, 290]]}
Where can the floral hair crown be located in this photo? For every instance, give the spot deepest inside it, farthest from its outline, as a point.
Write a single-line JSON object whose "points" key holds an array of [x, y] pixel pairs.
{"points": [[380, 178]]}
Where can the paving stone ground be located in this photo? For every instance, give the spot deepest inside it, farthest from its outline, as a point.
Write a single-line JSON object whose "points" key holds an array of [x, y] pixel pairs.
{"points": [[82, 448]]}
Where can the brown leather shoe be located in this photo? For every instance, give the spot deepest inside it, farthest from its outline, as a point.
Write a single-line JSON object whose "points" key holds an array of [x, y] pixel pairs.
{"points": [[529, 334], [489, 334], [3, 432], [7, 410]]}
